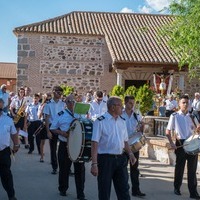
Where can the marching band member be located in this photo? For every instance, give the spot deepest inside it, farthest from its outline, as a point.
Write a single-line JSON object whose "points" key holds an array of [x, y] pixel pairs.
{"points": [[17, 110], [183, 125], [132, 121], [109, 163], [32, 118], [7, 131], [42, 130], [61, 126], [98, 106], [50, 111]]}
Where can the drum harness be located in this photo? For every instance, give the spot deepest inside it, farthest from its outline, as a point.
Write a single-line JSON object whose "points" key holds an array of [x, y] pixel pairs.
{"points": [[182, 145]]}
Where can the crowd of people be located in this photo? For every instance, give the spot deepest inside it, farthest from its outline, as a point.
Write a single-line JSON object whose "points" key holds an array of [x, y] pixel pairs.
{"points": [[50, 116]]}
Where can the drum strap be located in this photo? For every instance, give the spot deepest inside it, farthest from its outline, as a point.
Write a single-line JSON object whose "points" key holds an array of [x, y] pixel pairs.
{"points": [[69, 113]]}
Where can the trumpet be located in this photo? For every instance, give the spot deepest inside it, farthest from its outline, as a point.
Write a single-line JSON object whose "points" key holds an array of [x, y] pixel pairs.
{"points": [[20, 113]]}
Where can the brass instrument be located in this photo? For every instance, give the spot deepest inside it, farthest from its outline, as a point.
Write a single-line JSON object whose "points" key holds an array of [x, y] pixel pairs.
{"points": [[20, 113], [39, 129]]}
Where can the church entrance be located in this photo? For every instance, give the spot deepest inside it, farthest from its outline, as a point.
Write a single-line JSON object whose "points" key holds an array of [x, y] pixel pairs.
{"points": [[136, 83]]}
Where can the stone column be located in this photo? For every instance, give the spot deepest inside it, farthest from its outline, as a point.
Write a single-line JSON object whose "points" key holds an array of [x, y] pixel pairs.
{"points": [[119, 76]]}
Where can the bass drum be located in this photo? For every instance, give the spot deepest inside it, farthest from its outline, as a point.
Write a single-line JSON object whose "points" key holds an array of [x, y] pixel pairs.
{"points": [[79, 140], [192, 145]]}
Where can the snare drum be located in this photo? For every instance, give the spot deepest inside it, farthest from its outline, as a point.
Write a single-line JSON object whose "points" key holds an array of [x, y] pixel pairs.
{"points": [[79, 140], [137, 141], [192, 145]]}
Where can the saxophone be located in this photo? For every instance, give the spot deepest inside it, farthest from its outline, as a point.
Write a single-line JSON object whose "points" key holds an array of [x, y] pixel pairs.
{"points": [[20, 113]]}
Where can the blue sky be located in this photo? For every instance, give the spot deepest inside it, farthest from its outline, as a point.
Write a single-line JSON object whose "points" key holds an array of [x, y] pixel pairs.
{"points": [[14, 13]]}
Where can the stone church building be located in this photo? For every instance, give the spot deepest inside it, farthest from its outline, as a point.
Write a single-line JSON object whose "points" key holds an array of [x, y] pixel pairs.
{"points": [[96, 50]]}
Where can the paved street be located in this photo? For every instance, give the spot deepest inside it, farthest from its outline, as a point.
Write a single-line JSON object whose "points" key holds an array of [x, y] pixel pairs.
{"points": [[33, 180]]}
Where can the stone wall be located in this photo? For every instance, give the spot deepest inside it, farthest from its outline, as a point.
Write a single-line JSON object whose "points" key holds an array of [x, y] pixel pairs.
{"points": [[48, 60]]}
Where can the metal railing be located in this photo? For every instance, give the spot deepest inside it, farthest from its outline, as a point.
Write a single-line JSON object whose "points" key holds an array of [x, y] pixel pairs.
{"points": [[160, 126]]}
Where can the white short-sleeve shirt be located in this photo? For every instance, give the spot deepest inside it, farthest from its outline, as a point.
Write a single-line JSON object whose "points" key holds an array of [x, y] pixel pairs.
{"points": [[52, 108], [7, 129], [182, 124], [110, 134]]}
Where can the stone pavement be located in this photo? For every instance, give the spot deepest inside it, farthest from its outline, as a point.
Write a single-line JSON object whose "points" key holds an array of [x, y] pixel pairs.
{"points": [[33, 180]]}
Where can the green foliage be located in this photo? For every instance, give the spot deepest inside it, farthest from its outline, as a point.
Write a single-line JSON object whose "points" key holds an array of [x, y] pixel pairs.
{"points": [[144, 95], [131, 90], [145, 98], [184, 34], [117, 91], [67, 89]]}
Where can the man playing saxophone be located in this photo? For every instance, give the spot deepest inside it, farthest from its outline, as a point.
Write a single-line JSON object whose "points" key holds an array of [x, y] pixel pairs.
{"points": [[17, 109]]}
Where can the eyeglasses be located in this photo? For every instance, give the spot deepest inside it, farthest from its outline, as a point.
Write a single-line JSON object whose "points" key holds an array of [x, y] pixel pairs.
{"points": [[71, 101]]}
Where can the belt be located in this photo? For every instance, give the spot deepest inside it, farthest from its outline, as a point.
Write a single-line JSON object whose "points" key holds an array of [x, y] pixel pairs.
{"points": [[111, 155], [6, 149]]}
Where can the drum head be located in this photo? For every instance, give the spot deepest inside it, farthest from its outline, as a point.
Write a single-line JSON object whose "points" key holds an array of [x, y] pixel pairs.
{"points": [[192, 144], [75, 141], [134, 138]]}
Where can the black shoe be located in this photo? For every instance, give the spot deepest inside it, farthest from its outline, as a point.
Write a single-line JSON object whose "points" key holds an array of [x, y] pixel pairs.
{"points": [[30, 152], [54, 171], [138, 194], [195, 196], [81, 198], [63, 193], [26, 146], [13, 198], [177, 192]]}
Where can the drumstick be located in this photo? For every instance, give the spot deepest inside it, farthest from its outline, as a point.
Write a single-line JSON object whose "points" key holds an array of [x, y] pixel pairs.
{"points": [[179, 146]]}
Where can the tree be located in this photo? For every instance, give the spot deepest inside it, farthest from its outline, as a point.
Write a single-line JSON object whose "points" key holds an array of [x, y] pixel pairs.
{"points": [[67, 89], [145, 98], [131, 90], [117, 91], [183, 33]]}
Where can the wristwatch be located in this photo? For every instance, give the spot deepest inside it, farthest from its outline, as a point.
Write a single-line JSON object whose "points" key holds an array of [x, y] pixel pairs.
{"points": [[17, 145]]}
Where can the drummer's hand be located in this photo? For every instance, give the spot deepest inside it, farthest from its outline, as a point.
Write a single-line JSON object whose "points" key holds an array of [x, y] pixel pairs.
{"points": [[132, 158], [173, 146], [94, 169], [198, 129], [49, 134]]}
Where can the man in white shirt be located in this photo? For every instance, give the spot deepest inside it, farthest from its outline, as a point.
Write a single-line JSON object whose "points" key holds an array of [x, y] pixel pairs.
{"points": [[6, 97], [109, 163], [51, 109], [7, 131], [98, 106], [182, 124], [171, 105]]}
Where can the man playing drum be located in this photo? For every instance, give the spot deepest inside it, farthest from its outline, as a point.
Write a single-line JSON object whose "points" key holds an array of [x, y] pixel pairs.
{"points": [[184, 126], [61, 126], [133, 121]]}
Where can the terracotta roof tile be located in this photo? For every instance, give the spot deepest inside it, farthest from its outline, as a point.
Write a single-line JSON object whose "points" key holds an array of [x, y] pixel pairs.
{"points": [[130, 37], [8, 70]]}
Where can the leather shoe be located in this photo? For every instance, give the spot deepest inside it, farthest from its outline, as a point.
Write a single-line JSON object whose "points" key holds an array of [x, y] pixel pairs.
{"points": [[13, 198], [63, 193], [195, 196], [54, 171], [138, 194], [177, 192]]}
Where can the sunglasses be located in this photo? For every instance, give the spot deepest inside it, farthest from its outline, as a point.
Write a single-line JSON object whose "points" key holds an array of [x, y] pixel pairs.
{"points": [[58, 92]]}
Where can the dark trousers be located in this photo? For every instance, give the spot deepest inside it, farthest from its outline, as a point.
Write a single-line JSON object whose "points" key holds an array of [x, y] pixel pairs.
{"points": [[31, 130], [192, 160], [134, 174], [53, 151], [113, 168], [5, 172], [64, 171], [169, 112]]}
